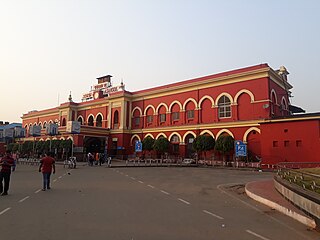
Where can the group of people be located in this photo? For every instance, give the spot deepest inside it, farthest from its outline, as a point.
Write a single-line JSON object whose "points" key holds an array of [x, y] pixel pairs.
{"points": [[95, 159], [7, 163]]}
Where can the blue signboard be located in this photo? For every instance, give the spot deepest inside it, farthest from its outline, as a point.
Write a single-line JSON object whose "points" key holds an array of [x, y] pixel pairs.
{"points": [[240, 148], [138, 146]]}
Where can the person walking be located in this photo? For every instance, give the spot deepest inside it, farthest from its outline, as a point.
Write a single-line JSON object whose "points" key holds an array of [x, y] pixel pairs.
{"points": [[47, 166], [6, 163]]}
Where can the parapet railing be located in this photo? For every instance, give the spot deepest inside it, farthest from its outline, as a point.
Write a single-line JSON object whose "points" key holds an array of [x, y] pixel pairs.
{"points": [[304, 174]]}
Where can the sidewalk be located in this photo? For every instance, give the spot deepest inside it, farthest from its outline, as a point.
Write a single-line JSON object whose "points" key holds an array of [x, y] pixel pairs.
{"points": [[265, 193]]}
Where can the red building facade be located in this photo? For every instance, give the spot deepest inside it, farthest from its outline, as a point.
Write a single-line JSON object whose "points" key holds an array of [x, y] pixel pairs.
{"points": [[244, 103]]}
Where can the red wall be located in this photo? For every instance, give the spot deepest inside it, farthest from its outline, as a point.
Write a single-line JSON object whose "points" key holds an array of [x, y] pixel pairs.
{"points": [[291, 141]]}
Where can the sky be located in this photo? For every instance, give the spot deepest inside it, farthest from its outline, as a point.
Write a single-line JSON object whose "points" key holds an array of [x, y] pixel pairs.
{"points": [[51, 47]]}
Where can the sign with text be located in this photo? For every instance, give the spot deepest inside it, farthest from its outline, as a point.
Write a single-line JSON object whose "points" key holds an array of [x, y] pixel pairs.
{"points": [[73, 127], [19, 132], [138, 146], [240, 148], [52, 129], [35, 130]]}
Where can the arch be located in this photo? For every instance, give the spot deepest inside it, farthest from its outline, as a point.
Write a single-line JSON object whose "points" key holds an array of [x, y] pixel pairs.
{"points": [[162, 104], [225, 94], [62, 138], [186, 134], [50, 121], [245, 135], [284, 103], [146, 109], [81, 119], [208, 132], [175, 133], [188, 100], [136, 108], [116, 117], [64, 122], [135, 136], [225, 131], [148, 135], [175, 102], [70, 137], [161, 135], [244, 91], [206, 97], [273, 92], [90, 120], [99, 119], [45, 124]]}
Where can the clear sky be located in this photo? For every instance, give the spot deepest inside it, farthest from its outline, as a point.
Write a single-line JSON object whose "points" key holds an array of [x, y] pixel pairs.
{"points": [[49, 48]]}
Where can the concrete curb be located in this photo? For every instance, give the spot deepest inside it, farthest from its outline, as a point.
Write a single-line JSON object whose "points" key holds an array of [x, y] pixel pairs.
{"points": [[303, 219]]}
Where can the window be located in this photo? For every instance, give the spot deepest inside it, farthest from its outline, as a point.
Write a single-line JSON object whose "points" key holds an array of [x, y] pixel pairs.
{"points": [[162, 117], [90, 121], [298, 143], [190, 114], [149, 118], [224, 106], [99, 121], [286, 143], [175, 116], [175, 139], [116, 119], [137, 121], [275, 144]]}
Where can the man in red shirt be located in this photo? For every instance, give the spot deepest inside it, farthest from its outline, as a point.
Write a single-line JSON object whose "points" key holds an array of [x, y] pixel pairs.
{"points": [[46, 167], [6, 163]]}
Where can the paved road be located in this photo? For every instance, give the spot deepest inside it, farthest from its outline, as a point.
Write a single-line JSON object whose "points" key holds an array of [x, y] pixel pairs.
{"points": [[141, 203]]}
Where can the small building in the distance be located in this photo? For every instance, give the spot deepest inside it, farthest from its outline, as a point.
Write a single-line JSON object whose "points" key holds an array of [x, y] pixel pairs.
{"points": [[251, 104]]}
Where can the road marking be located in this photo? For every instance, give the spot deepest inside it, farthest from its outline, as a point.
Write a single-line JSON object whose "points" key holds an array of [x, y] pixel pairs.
{"points": [[140, 181], [164, 192], [37, 191], [127, 175], [60, 177], [257, 235], [133, 178], [23, 199], [212, 214], [184, 201], [54, 180], [7, 209], [151, 186]]}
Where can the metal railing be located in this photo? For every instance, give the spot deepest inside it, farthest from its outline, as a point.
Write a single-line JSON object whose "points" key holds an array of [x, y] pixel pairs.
{"points": [[303, 174]]}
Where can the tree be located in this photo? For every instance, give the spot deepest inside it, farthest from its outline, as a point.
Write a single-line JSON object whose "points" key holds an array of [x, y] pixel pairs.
{"points": [[161, 145], [224, 144], [147, 143], [203, 143]]}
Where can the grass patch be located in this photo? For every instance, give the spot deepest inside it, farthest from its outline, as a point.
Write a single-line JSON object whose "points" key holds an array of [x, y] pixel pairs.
{"points": [[302, 178]]}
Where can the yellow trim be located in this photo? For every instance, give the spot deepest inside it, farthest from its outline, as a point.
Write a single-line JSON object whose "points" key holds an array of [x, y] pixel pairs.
{"points": [[175, 133], [186, 134], [224, 131], [245, 135], [175, 102], [146, 109], [149, 134], [161, 134], [206, 97], [226, 94], [133, 136], [187, 101], [162, 104], [212, 82], [209, 132], [244, 91], [136, 108]]}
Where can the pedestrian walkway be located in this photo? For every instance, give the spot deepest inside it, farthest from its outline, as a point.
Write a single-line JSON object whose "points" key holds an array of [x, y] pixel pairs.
{"points": [[265, 193]]}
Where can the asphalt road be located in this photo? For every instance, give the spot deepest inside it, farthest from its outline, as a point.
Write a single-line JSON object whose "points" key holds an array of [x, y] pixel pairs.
{"points": [[141, 204]]}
